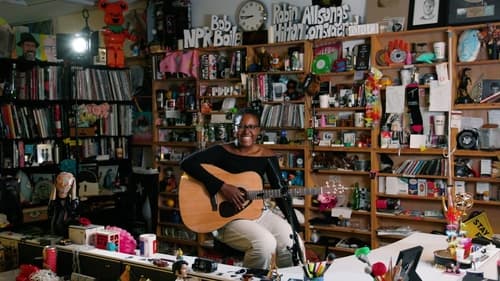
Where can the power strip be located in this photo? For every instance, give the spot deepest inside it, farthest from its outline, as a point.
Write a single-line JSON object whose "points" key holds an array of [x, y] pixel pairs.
{"points": [[80, 277]]}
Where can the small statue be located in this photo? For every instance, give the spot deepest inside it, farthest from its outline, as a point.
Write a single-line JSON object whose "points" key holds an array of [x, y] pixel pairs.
{"points": [[463, 87], [63, 205]]}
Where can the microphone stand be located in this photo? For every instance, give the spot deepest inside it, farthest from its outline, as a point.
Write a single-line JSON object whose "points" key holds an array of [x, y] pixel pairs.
{"points": [[297, 255]]}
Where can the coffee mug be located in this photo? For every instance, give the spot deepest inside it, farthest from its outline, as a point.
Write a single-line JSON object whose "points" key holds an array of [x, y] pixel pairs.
{"points": [[439, 50]]}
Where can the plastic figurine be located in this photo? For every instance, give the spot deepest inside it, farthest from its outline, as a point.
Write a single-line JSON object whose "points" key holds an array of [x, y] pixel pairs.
{"points": [[463, 87], [63, 205], [114, 33]]}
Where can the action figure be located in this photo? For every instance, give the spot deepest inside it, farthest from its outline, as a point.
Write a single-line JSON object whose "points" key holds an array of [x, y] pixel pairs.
{"points": [[463, 87]]}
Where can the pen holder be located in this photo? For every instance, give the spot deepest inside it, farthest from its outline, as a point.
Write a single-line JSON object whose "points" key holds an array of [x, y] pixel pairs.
{"points": [[320, 278]]}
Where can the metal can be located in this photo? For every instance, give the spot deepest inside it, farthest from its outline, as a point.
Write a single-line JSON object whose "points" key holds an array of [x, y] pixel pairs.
{"points": [[50, 258], [221, 133]]}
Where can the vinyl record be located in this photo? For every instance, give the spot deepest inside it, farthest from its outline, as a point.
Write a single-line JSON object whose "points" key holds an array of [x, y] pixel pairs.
{"points": [[321, 64]]}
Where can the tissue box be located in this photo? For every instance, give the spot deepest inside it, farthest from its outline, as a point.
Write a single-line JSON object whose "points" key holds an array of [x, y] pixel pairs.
{"points": [[84, 235]]}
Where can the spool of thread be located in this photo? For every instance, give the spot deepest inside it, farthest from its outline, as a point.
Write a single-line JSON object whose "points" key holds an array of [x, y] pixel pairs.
{"points": [[147, 244], [50, 258]]}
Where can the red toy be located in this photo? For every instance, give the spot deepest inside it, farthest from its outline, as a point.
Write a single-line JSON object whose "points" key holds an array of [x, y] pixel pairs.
{"points": [[114, 33]]}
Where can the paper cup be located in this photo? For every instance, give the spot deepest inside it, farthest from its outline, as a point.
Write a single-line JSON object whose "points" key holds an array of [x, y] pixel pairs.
{"points": [[439, 50], [324, 101], [147, 244], [439, 121]]}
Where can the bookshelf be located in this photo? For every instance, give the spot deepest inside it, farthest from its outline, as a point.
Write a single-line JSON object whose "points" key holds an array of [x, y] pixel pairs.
{"points": [[338, 143]]}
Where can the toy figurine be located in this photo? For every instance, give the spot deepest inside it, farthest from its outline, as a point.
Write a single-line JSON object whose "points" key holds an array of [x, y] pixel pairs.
{"points": [[114, 33], [180, 269], [63, 205], [463, 87]]}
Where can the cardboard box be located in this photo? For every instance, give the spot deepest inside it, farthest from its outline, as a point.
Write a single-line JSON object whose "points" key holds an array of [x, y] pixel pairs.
{"points": [[84, 235], [88, 188]]}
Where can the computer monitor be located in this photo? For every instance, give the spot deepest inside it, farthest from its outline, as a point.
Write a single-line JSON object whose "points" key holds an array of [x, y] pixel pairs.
{"points": [[408, 259]]}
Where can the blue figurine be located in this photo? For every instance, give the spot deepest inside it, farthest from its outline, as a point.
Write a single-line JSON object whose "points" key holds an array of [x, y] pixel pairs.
{"points": [[468, 45]]}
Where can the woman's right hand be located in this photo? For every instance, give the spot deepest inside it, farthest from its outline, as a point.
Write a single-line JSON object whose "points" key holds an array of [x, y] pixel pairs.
{"points": [[233, 194]]}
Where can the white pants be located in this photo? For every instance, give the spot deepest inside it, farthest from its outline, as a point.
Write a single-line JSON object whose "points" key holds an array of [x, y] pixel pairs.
{"points": [[259, 239]]}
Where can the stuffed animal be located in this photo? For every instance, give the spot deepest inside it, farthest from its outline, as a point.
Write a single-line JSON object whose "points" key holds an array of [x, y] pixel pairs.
{"points": [[114, 33]]}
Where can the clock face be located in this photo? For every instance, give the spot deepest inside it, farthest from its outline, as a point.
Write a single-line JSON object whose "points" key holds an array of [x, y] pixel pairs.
{"points": [[251, 15]]}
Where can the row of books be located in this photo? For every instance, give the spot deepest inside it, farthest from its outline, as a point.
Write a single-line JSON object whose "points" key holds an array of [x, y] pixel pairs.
{"points": [[40, 83], [267, 87], [104, 146], [283, 115], [432, 167], [27, 122], [118, 122], [102, 84]]}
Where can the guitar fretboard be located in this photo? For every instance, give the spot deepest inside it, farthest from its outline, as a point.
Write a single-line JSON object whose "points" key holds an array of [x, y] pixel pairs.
{"points": [[276, 193]]}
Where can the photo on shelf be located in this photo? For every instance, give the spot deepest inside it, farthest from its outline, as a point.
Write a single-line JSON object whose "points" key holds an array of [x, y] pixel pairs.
{"points": [[491, 87], [107, 176], [426, 14], [43, 153], [42, 186]]}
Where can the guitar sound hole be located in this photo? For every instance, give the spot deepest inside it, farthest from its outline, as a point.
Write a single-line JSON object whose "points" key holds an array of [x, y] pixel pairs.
{"points": [[227, 209]]}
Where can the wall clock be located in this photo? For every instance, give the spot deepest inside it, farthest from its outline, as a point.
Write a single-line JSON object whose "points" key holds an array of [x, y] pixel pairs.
{"points": [[251, 15]]}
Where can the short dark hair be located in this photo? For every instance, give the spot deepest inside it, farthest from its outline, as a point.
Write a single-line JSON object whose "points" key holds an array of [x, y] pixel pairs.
{"points": [[178, 265], [244, 111]]}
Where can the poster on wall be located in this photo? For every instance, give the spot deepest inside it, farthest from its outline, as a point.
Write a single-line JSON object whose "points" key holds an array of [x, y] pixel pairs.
{"points": [[44, 45]]}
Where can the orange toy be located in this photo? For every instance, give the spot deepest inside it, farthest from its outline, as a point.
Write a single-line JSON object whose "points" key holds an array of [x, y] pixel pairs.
{"points": [[114, 33]]}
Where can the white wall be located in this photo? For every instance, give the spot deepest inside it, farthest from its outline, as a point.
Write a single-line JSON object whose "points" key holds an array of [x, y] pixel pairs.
{"points": [[203, 9]]}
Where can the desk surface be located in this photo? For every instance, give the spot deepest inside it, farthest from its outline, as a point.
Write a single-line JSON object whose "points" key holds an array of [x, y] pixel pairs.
{"points": [[350, 268]]}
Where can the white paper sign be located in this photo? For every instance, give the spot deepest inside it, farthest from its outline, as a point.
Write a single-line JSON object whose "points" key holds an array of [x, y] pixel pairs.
{"points": [[440, 96]]}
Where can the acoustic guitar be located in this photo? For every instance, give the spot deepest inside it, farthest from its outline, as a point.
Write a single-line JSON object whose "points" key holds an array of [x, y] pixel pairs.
{"points": [[203, 213]]}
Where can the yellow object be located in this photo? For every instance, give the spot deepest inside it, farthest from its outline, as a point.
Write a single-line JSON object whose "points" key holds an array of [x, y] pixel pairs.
{"points": [[170, 203], [478, 226]]}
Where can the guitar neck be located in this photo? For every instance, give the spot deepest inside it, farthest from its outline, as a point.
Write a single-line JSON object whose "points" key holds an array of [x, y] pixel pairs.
{"points": [[276, 193]]}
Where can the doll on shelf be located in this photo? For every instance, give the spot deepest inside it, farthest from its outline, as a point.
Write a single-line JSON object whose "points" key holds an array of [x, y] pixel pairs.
{"points": [[63, 204]]}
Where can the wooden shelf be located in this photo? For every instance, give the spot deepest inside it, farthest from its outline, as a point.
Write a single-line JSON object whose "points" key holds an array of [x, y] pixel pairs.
{"points": [[411, 218], [352, 149], [409, 197], [334, 228], [342, 128], [412, 176], [336, 109], [341, 172], [414, 151], [476, 153], [480, 179], [476, 106]]}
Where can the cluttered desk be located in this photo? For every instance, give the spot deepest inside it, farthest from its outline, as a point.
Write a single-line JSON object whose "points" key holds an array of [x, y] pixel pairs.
{"points": [[346, 268]]}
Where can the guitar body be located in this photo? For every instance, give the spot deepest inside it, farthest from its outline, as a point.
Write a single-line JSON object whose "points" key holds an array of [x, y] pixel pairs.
{"points": [[195, 202]]}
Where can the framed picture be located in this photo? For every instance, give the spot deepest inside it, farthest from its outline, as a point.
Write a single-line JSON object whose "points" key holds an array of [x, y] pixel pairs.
{"points": [[490, 87], [426, 13], [43, 153], [469, 12]]}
